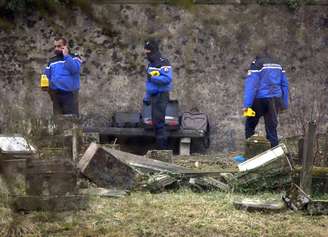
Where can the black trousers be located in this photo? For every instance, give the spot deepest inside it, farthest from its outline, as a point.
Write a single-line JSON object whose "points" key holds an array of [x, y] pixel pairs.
{"points": [[268, 108], [65, 102], [159, 103]]}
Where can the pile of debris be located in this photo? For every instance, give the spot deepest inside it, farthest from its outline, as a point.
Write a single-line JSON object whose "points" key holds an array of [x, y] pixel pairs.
{"points": [[110, 168], [271, 170], [52, 184]]}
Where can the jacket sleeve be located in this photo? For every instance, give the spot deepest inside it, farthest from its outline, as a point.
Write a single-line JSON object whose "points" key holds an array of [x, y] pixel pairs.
{"points": [[285, 89], [165, 76], [251, 85], [146, 97], [46, 71], [72, 64]]}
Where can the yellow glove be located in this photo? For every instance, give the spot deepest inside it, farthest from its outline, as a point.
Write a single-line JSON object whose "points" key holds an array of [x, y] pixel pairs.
{"points": [[249, 112], [154, 73]]}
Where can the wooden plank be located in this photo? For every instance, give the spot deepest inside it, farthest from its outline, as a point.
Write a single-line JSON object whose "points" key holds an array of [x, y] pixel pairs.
{"points": [[306, 177], [141, 132]]}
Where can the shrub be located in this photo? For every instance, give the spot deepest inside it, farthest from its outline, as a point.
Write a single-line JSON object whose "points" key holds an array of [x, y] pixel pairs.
{"points": [[181, 3]]}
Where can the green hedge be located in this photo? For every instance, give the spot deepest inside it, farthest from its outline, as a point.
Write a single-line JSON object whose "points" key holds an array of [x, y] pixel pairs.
{"points": [[23, 6]]}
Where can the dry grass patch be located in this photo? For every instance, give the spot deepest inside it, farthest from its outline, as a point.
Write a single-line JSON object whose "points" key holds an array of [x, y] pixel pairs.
{"points": [[182, 213]]}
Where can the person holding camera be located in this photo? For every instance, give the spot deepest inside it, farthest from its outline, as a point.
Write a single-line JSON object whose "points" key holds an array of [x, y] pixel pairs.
{"points": [[63, 72]]}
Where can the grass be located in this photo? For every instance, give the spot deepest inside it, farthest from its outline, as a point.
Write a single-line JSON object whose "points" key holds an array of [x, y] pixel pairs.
{"points": [[181, 213], [169, 214]]}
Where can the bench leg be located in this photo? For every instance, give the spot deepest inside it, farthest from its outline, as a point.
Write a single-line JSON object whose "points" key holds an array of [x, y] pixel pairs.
{"points": [[185, 146]]}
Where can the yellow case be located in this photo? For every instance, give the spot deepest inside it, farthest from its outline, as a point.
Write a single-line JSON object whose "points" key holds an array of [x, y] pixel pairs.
{"points": [[44, 82], [249, 113]]}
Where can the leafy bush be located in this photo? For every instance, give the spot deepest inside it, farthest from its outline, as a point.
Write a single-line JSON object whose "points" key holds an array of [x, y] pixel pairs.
{"points": [[181, 3], [292, 4], [14, 7]]}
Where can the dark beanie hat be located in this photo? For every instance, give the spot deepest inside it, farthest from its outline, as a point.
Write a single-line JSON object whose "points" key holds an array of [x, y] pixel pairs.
{"points": [[152, 45]]}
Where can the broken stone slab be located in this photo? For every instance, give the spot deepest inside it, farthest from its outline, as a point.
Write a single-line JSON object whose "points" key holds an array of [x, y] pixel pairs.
{"points": [[161, 155], [14, 150], [146, 165], [110, 168], [51, 177], [12, 174], [255, 204], [296, 199], [254, 182], [317, 207], [105, 170], [267, 171], [278, 153], [50, 203]]}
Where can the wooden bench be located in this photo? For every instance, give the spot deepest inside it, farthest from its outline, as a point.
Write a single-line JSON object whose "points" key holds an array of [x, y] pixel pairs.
{"points": [[185, 136]]}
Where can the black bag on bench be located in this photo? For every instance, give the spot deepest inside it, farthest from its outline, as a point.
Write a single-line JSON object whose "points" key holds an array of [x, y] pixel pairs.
{"points": [[194, 121], [126, 120]]}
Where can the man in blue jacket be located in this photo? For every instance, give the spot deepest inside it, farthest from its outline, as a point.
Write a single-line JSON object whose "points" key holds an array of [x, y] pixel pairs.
{"points": [[266, 92], [63, 72], [158, 86]]}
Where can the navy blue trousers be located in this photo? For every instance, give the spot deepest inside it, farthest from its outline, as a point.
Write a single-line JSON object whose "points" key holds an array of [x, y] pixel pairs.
{"points": [[268, 108], [159, 103], [65, 102]]}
